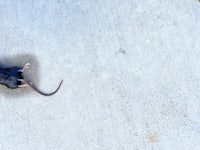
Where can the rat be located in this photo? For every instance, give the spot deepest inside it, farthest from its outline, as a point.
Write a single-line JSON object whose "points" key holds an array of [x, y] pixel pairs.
{"points": [[13, 78]]}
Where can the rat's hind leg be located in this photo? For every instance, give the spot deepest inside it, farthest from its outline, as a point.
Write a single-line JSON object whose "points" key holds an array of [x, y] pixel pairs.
{"points": [[26, 66], [22, 83]]}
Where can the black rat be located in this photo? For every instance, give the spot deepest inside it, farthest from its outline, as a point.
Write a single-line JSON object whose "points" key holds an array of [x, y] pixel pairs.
{"points": [[13, 78]]}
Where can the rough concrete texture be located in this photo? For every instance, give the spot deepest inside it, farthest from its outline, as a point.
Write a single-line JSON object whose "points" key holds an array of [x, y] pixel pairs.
{"points": [[131, 73]]}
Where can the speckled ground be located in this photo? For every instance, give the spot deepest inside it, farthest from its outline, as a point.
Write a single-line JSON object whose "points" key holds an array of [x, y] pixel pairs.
{"points": [[131, 73]]}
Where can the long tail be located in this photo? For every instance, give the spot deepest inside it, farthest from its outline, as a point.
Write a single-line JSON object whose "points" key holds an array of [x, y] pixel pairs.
{"points": [[45, 94]]}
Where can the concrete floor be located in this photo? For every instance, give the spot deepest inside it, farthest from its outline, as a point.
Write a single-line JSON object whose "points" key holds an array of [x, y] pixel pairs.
{"points": [[131, 73]]}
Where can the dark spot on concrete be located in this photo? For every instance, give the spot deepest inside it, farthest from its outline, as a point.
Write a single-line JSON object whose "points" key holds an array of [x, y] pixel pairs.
{"points": [[122, 51]]}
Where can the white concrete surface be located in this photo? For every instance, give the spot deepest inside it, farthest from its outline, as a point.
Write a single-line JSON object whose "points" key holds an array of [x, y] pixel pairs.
{"points": [[131, 73]]}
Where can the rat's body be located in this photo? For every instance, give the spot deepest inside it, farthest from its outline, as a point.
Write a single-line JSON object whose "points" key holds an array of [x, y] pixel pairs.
{"points": [[9, 77], [13, 78]]}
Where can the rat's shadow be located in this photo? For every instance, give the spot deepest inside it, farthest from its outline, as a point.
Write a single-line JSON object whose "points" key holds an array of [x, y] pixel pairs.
{"points": [[30, 74]]}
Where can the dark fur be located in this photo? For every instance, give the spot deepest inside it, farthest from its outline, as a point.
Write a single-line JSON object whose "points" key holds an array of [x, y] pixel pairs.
{"points": [[9, 77]]}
